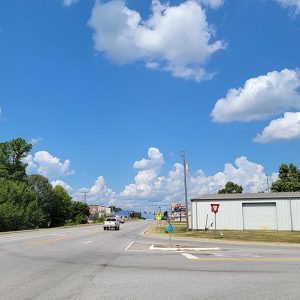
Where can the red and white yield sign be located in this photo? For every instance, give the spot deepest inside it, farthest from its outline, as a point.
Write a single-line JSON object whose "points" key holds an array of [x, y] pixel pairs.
{"points": [[215, 208]]}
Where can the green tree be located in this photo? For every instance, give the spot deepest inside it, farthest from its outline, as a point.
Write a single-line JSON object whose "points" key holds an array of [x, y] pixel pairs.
{"points": [[289, 179], [18, 206], [12, 154], [80, 212], [65, 203], [47, 199], [231, 188]]}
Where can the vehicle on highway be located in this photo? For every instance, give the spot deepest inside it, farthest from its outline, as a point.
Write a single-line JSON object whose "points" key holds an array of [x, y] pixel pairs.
{"points": [[121, 220], [110, 223]]}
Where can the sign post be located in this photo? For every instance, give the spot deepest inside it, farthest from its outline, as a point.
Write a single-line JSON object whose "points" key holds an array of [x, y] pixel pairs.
{"points": [[170, 229], [158, 219], [215, 210]]}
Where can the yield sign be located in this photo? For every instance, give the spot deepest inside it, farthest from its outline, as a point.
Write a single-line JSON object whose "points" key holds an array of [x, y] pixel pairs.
{"points": [[215, 208]]}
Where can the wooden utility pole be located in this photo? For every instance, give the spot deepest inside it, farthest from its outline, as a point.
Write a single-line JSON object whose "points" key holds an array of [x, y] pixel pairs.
{"points": [[85, 192], [185, 190]]}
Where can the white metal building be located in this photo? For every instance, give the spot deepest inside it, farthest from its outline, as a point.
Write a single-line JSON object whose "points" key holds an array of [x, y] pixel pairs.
{"points": [[266, 211]]}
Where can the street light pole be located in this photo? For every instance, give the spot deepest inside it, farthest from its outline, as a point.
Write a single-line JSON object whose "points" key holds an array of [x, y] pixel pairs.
{"points": [[185, 190]]}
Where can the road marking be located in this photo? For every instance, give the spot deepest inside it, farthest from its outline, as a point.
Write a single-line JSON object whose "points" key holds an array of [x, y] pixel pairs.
{"points": [[142, 233], [88, 242], [193, 257], [180, 249], [108, 235], [189, 256], [61, 238], [130, 244]]}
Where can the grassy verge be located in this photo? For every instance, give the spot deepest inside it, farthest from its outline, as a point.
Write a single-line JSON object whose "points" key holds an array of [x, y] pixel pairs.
{"points": [[234, 235]]}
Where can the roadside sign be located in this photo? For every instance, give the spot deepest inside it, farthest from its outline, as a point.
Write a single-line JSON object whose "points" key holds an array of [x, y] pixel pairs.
{"points": [[215, 208], [170, 228], [158, 216]]}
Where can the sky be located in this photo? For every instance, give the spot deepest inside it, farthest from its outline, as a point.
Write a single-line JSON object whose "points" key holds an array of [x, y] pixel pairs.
{"points": [[111, 92]]}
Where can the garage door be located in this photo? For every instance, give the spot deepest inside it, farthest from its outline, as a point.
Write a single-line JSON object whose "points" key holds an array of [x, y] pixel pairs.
{"points": [[260, 216]]}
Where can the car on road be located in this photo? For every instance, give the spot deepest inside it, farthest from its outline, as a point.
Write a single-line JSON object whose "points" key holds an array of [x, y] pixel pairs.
{"points": [[121, 220], [110, 223]]}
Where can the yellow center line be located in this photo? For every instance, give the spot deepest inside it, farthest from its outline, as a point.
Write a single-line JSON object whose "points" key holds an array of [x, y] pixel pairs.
{"points": [[61, 238], [247, 259]]}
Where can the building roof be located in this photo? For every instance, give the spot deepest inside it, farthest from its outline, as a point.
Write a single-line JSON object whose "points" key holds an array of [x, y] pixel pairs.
{"points": [[283, 195]]}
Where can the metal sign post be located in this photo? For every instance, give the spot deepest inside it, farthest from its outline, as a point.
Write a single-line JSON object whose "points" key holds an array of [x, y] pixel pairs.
{"points": [[215, 209], [170, 229]]}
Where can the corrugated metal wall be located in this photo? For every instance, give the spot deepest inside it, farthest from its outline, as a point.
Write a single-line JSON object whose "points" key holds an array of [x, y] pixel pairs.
{"points": [[230, 215]]}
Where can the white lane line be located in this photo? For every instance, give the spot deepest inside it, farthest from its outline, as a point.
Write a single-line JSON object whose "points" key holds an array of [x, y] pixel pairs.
{"points": [[88, 242], [11, 239], [189, 256], [142, 233], [178, 249], [130, 244], [108, 235]]}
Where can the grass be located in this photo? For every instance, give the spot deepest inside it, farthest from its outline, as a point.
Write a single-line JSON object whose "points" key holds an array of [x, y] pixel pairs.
{"points": [[234, 235]]}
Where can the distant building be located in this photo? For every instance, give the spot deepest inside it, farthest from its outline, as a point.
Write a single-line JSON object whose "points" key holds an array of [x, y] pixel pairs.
{"points": [[265, 211], [97, 211]]}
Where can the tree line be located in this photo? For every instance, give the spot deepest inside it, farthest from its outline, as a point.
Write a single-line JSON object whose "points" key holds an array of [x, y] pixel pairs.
{"points": [[30, 201], [288, 181]]}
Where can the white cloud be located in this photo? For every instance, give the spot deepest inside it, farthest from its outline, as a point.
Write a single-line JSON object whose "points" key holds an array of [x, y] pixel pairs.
{"points": [[292, 4], [285, 128], [155, 160], [98, 193], [260, 97], [69, 2], [63, 184], [147, 177], [48, 165], [35, 141], [214, 4], [174, 38], [1, 115], [151, 187]]}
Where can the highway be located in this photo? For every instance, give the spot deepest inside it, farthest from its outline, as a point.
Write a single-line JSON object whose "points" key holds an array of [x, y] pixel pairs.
{"points": [[90, 263]]}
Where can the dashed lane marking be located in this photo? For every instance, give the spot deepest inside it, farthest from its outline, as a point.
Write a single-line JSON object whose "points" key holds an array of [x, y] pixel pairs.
{"points": [[130, 244], [88, 242], [61, 238]]}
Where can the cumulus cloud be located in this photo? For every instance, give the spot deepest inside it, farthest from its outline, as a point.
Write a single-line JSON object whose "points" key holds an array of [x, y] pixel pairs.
{"points": [[69, 2], [63, 184], [176, 39], [151, 187], [98, 193], [285, 128], [294, 5], [155, 160], [214, 4], [147, 176], [260, 97], [48, 165]]}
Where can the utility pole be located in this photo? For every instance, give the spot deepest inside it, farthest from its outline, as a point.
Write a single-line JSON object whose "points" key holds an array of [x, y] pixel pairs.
{"points": [[85, 192], [268, 184], [185, 190]]}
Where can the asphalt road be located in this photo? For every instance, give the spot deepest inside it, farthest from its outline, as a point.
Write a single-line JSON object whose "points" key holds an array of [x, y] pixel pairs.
{"points": [[90, 263]]}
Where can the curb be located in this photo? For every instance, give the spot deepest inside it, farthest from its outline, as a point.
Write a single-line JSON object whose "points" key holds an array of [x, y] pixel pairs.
{"points": [[153, 235]]}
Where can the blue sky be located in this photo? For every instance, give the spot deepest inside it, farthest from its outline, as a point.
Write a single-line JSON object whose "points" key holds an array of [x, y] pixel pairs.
{"points": [[100, 85]]}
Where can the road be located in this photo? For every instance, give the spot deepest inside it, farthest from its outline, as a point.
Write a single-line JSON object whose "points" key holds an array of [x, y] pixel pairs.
{"points": [[90, 263]]}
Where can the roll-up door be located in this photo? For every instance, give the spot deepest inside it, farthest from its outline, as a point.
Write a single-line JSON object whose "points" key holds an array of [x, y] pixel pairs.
{"points": [[260, 216]]}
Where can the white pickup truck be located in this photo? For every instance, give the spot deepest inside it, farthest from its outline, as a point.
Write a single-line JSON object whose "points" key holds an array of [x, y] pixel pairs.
{"points": [[110, 223]]}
